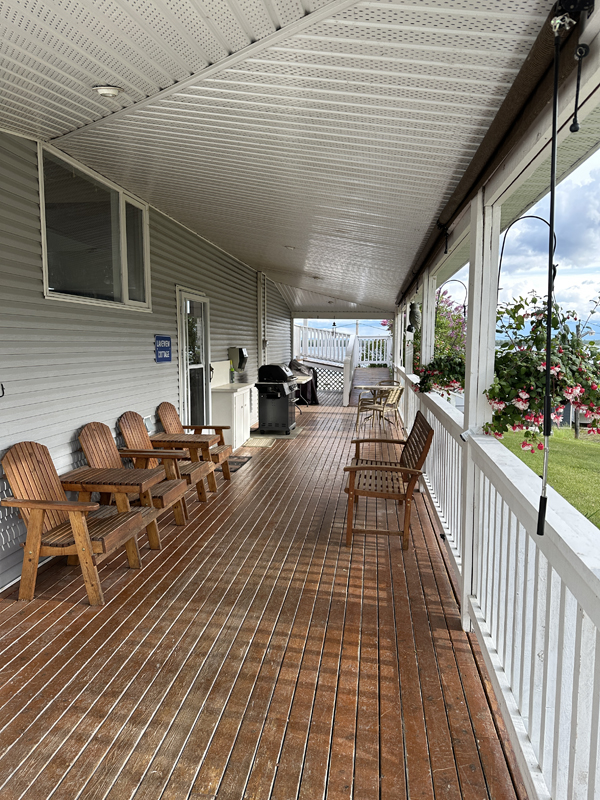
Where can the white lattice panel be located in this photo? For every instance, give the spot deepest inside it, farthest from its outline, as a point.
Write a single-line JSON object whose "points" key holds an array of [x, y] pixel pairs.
{"points": [[329, 151]]}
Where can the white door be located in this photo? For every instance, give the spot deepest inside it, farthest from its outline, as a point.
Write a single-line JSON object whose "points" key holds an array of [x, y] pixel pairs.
{"points": [[194, 356]]}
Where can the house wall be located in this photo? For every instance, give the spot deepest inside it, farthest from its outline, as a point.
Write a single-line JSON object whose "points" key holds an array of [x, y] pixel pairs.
{"points": [[279, 326], [64, 364]]}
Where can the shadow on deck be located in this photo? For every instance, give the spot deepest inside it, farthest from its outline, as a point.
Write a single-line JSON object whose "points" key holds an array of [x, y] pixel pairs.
{"points": [[254, 657]]}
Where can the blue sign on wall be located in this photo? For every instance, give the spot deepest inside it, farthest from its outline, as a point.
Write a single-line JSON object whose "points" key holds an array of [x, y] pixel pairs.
{"points": [[162, 349]]}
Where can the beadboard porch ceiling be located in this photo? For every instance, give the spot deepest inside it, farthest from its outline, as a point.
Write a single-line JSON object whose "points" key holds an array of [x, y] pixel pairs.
{"points": [[317, 142]]}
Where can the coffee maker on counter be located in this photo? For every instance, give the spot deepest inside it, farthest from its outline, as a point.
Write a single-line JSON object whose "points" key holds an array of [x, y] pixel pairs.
{"points": [[238, 357]]}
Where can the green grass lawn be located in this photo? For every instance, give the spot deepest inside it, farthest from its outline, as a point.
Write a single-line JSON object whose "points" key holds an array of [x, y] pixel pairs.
{"points": [[573, 467]]}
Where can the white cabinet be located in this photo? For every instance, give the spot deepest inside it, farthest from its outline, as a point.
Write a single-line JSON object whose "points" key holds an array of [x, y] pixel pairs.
{"points": [[231, 406]]}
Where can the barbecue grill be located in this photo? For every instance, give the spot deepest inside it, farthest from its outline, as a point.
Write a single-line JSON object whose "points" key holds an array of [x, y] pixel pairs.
{"points": [[276, 398]]}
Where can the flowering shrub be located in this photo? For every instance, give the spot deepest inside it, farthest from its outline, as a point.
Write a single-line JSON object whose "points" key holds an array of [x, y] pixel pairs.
{"points": [[517, 392], [444, 373]]}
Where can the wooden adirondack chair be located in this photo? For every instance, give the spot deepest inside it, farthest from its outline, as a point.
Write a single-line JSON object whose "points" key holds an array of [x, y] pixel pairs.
{"points": [[170, 421], [58, 527], [101, 452], [136, 436], [388, 480]]}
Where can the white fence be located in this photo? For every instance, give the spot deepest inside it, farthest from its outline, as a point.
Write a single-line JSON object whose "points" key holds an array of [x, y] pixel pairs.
{"points": [[326, 345], [374, 350], [320, 343], [534, 602]]}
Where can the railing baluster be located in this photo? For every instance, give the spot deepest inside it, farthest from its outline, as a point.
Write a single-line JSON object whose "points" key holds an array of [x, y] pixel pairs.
{"points": [[558, 692]]}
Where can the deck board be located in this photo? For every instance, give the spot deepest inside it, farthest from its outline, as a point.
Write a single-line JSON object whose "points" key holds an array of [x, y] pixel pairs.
{"points": [[255, 656]]}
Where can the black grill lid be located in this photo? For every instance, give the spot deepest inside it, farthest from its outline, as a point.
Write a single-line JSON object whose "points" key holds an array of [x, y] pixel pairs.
{"points": [[279, 373]]}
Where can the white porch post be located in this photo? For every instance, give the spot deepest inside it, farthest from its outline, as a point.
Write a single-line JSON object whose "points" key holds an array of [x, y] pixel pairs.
{"points": [[399, 338], [428, 319], [479, 370]]}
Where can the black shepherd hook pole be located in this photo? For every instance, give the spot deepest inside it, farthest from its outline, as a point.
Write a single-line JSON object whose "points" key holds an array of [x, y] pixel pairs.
{"points": [[560, 23]]}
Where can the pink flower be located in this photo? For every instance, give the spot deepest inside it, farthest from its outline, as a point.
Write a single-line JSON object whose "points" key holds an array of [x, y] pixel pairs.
{"points": [[522, 405], [523, 395], [498, 435], [540, 446], [497, 405], [526, 446], [594, 386]]}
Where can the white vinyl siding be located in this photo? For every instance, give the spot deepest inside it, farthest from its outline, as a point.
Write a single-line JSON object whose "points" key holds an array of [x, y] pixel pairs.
{"points": [[279, 326], [66, 364]]}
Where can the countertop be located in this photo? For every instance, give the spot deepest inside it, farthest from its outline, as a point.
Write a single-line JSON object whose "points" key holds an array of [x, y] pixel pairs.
{"points": [[232, 388]]}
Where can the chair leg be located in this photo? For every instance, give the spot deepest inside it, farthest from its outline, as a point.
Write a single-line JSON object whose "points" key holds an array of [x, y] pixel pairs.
{"points": [[133, 553], [201, 491], [226, 470], [152, 527], [406, 531], [179, 510], [31, 557], [212, 481], [86, 559], [349, 519]]}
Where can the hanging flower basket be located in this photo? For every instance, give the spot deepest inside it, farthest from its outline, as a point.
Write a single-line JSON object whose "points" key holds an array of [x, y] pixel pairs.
{"points": [[446, 373], [517, 392]]}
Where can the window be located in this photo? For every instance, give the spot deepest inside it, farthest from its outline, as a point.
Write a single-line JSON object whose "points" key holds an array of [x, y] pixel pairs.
{"points": [[96, 238]]}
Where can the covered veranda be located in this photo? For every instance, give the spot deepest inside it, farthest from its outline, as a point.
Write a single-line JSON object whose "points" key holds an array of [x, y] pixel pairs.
{"points": [[313, 158], [256, 656]]}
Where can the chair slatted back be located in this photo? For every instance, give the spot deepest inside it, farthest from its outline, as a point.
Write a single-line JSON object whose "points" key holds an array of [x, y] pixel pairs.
{"points": [[99, 446], [135, 434], [32, 476], [393, 397], [418, 443], [169, 418]]}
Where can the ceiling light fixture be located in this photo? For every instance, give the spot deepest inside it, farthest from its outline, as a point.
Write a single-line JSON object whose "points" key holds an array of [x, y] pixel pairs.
{"points": [[108, 91]]}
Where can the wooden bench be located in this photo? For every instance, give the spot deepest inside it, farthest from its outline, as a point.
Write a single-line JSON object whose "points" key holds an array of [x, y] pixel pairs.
{"points": [[387, 479], [59, 527], [169, 419], [101, 451]]}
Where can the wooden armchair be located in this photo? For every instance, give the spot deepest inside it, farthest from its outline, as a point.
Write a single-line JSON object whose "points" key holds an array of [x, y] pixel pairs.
{"points": [[59, 527], [138, 439], [387, 479], [169, 418], [101, 452]]}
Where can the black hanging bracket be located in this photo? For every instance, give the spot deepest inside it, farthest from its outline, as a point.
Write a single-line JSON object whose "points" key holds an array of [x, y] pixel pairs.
{"points": [[581, 52], [445, 230]]}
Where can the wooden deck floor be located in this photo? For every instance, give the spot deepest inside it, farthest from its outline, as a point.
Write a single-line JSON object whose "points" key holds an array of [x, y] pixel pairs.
{"points": [[254, 657]]}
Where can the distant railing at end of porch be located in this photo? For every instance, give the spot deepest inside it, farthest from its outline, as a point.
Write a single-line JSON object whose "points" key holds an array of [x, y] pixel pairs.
{"points": [[327, 345], [533, 601]]}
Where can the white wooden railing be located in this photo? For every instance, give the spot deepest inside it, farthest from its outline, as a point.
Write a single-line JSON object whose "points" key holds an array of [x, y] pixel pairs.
{"points": [[350, 364], [320, 343], [533, 602], [374, 350], [326, 345]]}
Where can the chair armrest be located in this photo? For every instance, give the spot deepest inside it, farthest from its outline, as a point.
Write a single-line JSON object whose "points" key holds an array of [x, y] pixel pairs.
{"points": [[383, 468], [158, 453], [50, 505], [201, 428], [388, 441]]}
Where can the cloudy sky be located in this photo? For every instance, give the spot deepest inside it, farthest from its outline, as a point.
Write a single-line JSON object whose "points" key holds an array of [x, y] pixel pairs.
{"points": [[525, 262]]}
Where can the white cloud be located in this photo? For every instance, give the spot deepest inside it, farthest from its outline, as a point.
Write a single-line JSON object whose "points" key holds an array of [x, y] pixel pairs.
{"points": [[525, 261]]}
